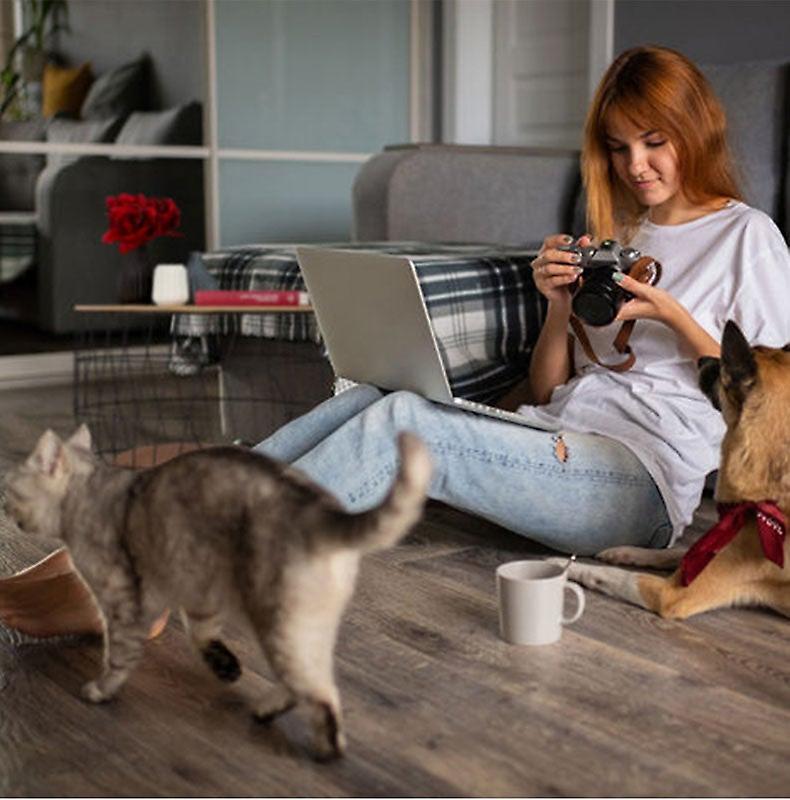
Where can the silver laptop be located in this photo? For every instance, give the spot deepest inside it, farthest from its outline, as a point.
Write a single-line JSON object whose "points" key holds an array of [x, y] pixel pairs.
{"points": [[373, 318]]}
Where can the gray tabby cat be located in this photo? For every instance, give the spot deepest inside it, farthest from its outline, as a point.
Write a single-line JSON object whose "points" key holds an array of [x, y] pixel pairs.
{"points": [[216, 532]]}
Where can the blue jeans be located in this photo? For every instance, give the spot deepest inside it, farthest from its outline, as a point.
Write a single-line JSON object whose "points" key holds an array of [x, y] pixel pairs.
{"points": [[599, 496]]}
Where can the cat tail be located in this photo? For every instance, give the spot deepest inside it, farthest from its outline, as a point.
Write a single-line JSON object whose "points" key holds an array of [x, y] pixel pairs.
{"points": [[384, 525]]}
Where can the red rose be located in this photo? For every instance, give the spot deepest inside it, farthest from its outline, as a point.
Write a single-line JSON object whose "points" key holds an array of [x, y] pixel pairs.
{"points": [[136, 219], [168, 216]]}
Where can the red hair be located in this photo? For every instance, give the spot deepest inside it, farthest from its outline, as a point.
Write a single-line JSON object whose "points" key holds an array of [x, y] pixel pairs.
{"points": [[655, 88]]}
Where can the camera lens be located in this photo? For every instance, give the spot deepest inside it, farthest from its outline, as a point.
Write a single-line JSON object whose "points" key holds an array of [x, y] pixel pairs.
{"points": [[597, 302]]}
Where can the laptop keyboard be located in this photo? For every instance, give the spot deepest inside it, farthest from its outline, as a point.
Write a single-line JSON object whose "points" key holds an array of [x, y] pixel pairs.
{"points": [[491, 411]]}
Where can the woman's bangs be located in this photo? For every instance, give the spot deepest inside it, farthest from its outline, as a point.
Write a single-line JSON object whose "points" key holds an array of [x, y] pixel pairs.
{"points": [[635, 112]]}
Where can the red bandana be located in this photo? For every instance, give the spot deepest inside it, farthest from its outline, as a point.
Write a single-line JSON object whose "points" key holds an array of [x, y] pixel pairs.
{"points": [[771, 526]]}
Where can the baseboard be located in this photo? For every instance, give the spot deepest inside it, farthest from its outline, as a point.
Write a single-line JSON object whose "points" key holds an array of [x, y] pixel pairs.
{"points": [[49, 369], [36, 369]]}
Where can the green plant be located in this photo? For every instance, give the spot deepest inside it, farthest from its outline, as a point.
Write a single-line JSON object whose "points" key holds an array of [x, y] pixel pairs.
{"points": [[42, 19]]}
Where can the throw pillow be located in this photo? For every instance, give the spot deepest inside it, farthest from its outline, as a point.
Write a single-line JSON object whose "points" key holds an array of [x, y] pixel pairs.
{"points": [[64, 88], [118, 91], [181, 125], [66, 131]]}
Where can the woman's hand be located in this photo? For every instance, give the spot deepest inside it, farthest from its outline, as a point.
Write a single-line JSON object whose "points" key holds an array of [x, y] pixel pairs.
{"points": [[555, 270], [650, 302]]}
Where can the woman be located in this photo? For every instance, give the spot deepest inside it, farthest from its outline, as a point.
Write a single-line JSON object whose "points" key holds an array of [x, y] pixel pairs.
{"points": [[632, 449]]}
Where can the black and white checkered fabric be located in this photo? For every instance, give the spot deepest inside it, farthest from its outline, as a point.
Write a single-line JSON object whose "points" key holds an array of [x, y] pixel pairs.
{"points": [[483, 305]]}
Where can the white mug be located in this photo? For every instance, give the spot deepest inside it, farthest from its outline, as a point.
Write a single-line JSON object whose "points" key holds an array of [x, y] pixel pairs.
{"points": [[531, 600], [171, 285]]}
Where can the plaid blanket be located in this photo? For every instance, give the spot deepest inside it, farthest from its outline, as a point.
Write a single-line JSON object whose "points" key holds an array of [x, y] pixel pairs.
{"points": [[483, 305]]}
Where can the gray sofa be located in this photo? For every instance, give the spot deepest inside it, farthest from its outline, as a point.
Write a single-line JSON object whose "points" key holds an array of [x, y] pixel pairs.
{"points": [[450, 193]]}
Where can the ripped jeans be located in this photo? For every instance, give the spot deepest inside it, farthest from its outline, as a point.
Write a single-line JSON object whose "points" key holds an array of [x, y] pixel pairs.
{"points": [[599, 496]]}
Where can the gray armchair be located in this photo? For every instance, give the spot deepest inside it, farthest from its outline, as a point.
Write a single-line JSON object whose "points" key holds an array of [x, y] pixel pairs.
{"points": [[73, 265]]}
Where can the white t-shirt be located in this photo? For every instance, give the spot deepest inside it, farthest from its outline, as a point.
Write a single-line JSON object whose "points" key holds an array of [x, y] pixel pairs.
{"points": [[731, 264]]}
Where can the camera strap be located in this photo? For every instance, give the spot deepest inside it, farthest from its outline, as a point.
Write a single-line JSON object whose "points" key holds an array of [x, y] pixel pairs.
{"points": [[642, 272]]}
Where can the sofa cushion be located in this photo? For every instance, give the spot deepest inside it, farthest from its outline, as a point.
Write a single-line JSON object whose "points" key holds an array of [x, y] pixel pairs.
{"points": [[64, 88], [70, 131], [19, 171], [181, 125], [755, 99], [459, 193], [118, 91]]}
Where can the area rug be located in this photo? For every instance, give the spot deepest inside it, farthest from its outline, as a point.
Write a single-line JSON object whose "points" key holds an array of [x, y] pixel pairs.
{"points": [[30, 568], [42, 596]]}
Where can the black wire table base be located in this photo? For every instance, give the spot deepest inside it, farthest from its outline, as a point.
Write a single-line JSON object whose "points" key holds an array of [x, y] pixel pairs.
{"points": [[144, 392]]}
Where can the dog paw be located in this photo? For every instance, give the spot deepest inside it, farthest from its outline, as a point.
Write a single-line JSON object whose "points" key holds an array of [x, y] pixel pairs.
{"points": [[590, 578], [93, 693], [624, 556], [571, 568]]}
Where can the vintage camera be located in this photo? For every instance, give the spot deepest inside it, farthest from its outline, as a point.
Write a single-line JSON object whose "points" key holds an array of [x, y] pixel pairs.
{"points": [[598, 298]]}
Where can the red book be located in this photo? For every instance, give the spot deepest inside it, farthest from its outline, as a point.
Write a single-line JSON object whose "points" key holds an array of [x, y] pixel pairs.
{"points": [[251, 297]]}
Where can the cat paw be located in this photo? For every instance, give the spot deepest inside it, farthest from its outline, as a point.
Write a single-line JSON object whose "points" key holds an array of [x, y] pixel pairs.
{"points": [[266, 712], [331, 747], [93, 693], [222, 662]]}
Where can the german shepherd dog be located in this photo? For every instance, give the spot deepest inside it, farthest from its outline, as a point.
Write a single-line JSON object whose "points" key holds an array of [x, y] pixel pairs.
{"points": [[743, 560]]}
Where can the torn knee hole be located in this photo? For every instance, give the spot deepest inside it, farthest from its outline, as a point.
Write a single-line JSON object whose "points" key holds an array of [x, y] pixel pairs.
{"points": [[560, 448]]}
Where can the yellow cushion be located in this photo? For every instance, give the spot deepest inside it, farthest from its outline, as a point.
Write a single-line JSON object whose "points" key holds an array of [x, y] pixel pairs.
{"points": [[64, 88]]}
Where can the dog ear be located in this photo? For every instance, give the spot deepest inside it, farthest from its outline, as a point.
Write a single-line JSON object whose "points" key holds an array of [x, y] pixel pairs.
{"points": [[709, 379], [738, 365]]}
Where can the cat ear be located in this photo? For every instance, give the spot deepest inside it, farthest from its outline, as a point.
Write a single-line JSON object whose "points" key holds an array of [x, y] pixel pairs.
{"points": [[81, 437], [48, 456]]}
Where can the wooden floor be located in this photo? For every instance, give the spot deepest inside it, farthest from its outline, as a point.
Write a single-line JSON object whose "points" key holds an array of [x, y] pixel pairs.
{"points": [[436, 704]]}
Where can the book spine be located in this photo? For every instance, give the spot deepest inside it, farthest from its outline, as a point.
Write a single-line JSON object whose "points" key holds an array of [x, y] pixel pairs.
{"points": [[251, 297]]}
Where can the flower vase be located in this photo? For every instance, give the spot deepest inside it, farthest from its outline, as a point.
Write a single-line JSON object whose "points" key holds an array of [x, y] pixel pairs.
{"points": [[135, 279]]}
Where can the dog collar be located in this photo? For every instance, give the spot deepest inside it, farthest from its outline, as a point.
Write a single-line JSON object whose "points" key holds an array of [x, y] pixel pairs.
{"points": [[771, 527]]}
